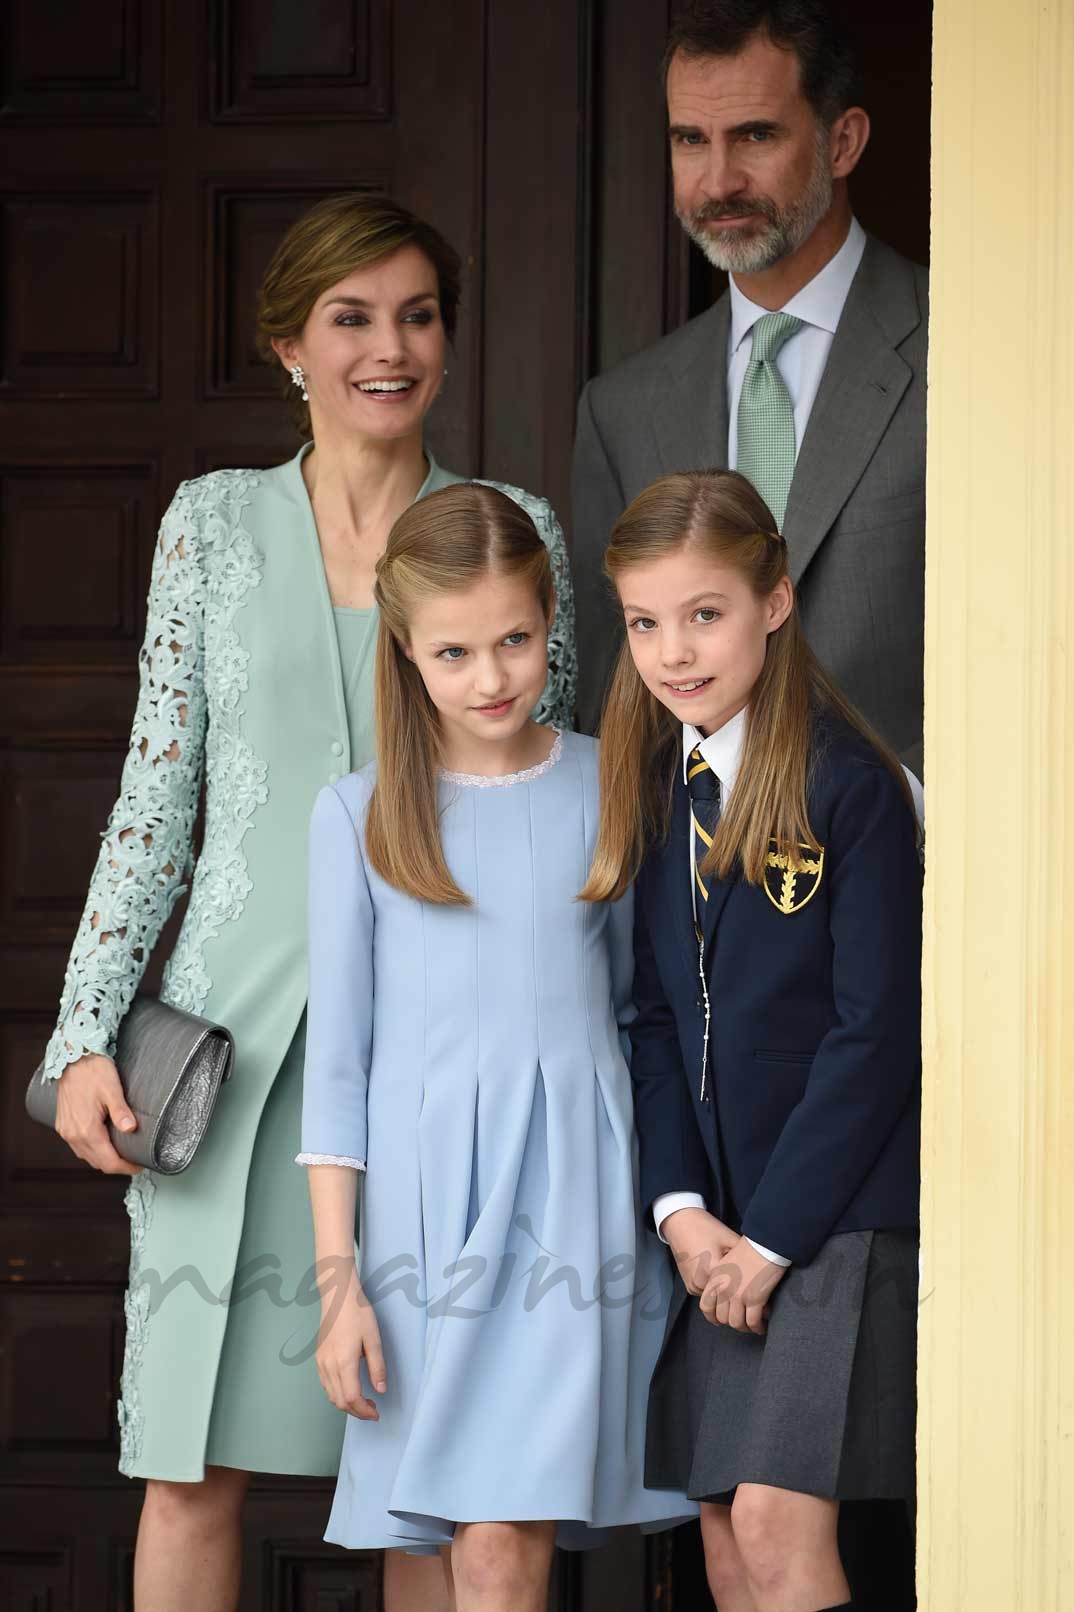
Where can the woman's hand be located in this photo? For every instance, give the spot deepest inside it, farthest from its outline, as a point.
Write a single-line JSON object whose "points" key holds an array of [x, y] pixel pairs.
{"points": [[737, 1294], [89, 1094], [343, 1341], [699, 1242]]}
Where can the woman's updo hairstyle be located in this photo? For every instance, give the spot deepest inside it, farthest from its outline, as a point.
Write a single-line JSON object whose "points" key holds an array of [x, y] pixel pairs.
{"points": [[337, 236]]}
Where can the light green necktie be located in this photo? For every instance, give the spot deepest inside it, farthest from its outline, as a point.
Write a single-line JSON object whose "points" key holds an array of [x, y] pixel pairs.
{"points": [[766, 415]]}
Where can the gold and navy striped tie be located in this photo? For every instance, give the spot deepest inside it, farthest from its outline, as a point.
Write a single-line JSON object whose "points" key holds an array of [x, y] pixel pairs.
{"points": [[704, 787]]}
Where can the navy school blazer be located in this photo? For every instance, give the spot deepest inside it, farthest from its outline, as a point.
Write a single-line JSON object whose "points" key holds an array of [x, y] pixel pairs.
{"points": [[811, 1122]]}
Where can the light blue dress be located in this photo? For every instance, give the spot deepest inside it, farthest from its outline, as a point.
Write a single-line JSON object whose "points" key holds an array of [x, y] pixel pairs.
{"points": [[471, 1060]]}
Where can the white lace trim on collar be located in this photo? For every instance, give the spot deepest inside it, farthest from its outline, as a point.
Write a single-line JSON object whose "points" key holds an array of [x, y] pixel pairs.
{"points": [[476, 780]]}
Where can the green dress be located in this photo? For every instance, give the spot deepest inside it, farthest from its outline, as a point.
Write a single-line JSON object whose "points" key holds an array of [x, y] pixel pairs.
{"points": [[264, 1331], [251, 685]]}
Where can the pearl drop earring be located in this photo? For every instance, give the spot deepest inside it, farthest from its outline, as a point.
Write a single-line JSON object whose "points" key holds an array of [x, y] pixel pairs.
{"points": [[300, 381]]}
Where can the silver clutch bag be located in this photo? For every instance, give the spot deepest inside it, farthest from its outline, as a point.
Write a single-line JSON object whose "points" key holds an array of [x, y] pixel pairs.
{"points": [[172, 1065]]}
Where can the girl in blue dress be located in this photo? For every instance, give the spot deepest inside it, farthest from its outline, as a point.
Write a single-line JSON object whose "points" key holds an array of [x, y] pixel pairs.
{"points": [[465, 1062]]}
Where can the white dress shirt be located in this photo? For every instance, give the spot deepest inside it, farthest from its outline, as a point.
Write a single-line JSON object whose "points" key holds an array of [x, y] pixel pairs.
{"points": [[802, 358]]}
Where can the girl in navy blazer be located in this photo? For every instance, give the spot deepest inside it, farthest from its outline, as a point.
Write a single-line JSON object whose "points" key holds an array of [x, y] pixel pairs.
{"points": [[776, 1048]]}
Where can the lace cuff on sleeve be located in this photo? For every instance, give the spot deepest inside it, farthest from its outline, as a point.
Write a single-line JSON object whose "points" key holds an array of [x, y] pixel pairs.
{"points": [[146, 847], [329, 1158]]}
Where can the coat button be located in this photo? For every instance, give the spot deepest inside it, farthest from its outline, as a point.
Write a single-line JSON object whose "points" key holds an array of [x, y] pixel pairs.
{"points": [[336, 748], [333, 777]]}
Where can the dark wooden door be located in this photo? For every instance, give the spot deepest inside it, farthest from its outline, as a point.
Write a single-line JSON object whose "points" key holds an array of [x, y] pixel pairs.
{"points": [[152, 156], [152, 153]]}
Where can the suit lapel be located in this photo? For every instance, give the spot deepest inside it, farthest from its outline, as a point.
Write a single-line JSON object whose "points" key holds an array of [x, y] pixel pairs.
{"points": [[863, 382], [677, 873], [719, 890], [690, 417], [308, 607]]}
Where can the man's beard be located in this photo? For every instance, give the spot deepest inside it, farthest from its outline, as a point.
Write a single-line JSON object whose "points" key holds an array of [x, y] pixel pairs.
{"points": [[782, 232]]}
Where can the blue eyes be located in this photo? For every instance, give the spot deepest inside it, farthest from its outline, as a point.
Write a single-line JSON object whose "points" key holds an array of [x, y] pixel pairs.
{"points": [[514, 640]]}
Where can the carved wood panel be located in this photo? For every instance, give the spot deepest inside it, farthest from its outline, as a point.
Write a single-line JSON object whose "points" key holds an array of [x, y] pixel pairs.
{"points": [[301, 1577], [39, 1578], [80, 317], [266, 70], [74, 514], [50, 1409], [81, 64]]}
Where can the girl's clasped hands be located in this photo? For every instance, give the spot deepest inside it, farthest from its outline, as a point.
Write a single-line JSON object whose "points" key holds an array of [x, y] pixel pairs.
{"points": [[730, 1277]]}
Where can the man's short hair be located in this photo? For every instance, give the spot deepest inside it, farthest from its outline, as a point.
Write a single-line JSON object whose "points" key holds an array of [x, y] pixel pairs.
{"points": [[825, 54]]}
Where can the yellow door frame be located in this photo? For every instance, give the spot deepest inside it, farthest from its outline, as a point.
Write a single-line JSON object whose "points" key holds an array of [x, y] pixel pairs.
{"points": [[996, 1372]]}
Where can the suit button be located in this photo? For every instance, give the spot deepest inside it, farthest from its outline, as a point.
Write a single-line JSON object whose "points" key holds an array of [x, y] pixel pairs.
{"points": [[333, 777], [336, 748]]}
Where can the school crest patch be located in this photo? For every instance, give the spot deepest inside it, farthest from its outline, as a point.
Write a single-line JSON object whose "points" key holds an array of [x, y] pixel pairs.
{"points": [[790, 888]]}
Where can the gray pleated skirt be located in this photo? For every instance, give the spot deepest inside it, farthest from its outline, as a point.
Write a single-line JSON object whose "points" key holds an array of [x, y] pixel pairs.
{"points": [[823, 1404]]}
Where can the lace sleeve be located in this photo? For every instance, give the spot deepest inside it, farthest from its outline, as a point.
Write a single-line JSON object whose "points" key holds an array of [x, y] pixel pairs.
{"points": [[556, 704], [146, 847]]}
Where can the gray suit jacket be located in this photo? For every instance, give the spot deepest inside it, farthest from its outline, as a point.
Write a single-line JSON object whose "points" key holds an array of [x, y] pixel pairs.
{"points": [[855, 521]]}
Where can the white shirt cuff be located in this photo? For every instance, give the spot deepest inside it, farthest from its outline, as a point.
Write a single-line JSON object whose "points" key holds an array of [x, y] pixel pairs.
{"points": [[766, 1253], [668, 1202], [917, 789]]}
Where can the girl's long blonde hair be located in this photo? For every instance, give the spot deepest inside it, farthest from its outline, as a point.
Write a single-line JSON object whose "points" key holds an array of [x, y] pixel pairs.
{"points": [[720, 513], [442, 544]]}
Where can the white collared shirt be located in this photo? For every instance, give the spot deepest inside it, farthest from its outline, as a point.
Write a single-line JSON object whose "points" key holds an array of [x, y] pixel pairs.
{"points": [[802, 359], [723, 752]]}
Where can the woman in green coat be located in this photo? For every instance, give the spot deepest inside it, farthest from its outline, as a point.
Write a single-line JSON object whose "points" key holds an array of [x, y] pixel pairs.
{"points": [[256, 676]]}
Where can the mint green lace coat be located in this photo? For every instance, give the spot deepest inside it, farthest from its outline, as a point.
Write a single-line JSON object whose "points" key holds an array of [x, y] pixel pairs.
{"points": [[241, 689]]}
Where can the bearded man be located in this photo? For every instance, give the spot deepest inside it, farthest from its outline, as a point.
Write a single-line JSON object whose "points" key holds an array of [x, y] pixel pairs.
{"points": [[808, 374]]}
